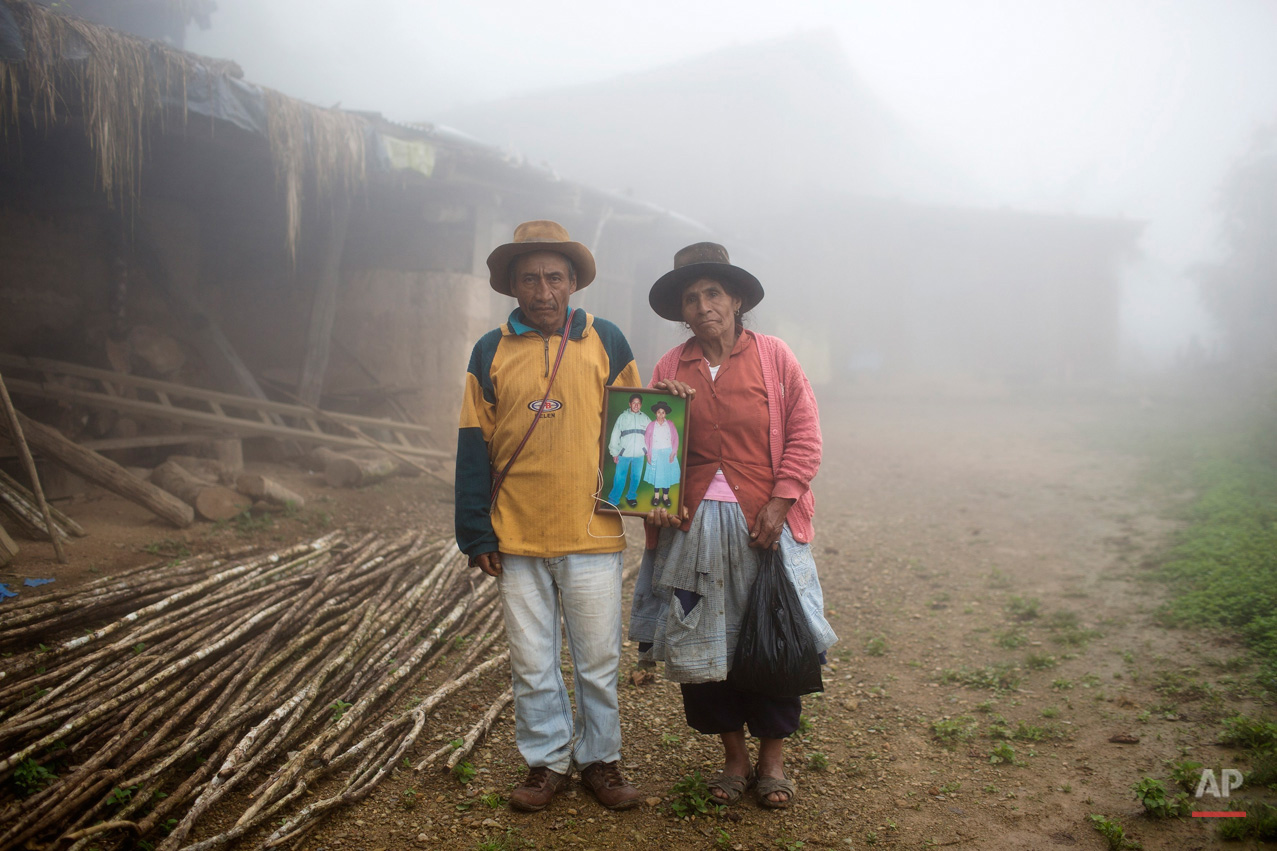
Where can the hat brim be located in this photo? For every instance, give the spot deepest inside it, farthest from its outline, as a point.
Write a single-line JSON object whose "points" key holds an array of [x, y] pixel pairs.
{"points": [[666, 295], [501, 257]]}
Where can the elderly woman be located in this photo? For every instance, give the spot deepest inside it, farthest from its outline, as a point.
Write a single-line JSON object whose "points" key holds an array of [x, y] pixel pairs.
{"points": [[753, 447], [661, 442]]}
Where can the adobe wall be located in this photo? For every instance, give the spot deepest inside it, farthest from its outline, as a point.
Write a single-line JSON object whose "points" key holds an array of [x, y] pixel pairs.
{"points": [[415, 329], [54, 279]]}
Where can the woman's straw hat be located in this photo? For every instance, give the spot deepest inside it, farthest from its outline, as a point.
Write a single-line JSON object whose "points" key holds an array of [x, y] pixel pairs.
{"points": [[702, 260]]}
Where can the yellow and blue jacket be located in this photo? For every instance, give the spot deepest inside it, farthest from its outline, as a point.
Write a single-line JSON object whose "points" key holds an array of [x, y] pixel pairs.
{"points": [[546, 504]]}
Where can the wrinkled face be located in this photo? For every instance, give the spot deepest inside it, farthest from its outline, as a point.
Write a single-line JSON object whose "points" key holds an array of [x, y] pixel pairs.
{"points": [[542, 282], [709, 308], [635, 404]]}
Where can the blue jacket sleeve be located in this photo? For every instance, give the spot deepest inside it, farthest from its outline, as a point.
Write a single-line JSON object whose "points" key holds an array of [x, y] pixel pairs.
{"points": [[473, 484]]}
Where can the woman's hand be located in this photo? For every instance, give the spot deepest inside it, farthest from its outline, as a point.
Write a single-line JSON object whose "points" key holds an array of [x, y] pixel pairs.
{"points": [[678, 388], [767, 525], [672, 454], [661, 518]]}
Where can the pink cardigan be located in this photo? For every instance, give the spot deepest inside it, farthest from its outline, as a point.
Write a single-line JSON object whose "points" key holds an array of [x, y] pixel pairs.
{"points": [[794, 425], [647, 436]]}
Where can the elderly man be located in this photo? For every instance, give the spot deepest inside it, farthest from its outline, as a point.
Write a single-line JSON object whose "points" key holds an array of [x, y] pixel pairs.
{"points": [[527, 473], [627, 448]]}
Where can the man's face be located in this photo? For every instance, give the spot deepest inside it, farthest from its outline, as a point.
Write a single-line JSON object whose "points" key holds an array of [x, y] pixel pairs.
{"points": [[542, 283], [635, 404]]}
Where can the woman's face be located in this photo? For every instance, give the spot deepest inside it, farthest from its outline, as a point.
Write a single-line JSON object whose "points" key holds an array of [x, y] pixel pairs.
{"points": [[709, 309], [660, 415]]}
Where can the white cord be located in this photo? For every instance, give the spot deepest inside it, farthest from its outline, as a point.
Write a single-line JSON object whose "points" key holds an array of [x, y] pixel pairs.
{"points": [[598, 497]]}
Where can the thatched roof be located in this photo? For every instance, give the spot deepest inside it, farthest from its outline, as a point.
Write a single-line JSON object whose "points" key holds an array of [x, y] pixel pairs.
{"points": [[120, 89], [181, 12]]}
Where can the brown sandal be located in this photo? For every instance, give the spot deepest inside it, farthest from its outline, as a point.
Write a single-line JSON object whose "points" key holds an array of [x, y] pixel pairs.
{"points": [[732, 784], [765, 786]]}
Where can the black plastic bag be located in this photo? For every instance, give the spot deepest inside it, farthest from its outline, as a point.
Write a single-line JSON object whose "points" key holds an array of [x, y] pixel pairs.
{"points": [[775, 651]]}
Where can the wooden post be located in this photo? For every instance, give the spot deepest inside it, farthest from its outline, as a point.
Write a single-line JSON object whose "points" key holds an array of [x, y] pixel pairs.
{"points": [[323, 307], [105, 472], [24, 452]]}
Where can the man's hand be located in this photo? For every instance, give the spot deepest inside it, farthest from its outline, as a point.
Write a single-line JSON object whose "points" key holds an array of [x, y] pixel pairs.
{"points": [[489, 563], [616, 459], [661, 518], [767, 526], [678, 388]]}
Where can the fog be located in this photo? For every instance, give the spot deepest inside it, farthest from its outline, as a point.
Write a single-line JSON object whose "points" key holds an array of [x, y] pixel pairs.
{"points": [[1130, 111]]}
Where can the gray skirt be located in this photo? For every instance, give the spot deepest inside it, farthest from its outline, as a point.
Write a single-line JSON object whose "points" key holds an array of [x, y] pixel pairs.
{"points": [[693, 590]]}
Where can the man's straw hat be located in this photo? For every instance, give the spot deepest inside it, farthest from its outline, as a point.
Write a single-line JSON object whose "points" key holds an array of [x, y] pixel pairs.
{"points": [[539, 235]]}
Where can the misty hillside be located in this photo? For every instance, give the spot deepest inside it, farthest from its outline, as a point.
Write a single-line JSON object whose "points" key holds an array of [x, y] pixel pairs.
{"points": [[763, 123]]}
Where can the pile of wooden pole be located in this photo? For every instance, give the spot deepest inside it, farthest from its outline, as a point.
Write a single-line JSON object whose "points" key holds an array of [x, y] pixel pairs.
{"points": [[281, 685], [21, 505]]}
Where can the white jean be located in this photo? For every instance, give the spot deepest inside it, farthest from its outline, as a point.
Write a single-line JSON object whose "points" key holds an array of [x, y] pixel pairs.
{"points": [[586, 590]]}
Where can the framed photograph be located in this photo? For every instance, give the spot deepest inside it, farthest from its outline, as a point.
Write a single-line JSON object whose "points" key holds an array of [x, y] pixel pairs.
{"points": [[641, 461]]}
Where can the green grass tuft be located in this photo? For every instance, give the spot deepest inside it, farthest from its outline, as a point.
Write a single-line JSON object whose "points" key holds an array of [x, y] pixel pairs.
{"points": [[1223, 571]]}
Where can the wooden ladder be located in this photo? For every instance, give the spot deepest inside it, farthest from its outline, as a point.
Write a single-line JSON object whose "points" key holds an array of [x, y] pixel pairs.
{"points": [[224, 413]]}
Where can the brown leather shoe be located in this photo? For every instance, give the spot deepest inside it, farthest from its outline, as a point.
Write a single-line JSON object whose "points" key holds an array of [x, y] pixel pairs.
{"points": [[536, 791], [605, 782]]}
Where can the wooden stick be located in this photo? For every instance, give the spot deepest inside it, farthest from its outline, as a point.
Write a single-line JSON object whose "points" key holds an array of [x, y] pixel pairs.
{"points": [[104, 472], [24, 452], [68, 526]]}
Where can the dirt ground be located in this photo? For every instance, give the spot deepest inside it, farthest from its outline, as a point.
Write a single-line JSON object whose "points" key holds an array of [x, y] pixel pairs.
{"points": [[952, 537]]}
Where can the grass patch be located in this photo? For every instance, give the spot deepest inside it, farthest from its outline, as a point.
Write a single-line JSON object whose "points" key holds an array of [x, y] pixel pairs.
{"points": [[1242, 731], [957, 729], [1260, 822], [1023, 608], [1003, 752], [1011, 639], [1113, 832], [30, 777], [996, 677], [1040, 661], [1158, 802], [1026, 732], [1075, 636], [1223, 570], [691, 797], [1187, 774]]}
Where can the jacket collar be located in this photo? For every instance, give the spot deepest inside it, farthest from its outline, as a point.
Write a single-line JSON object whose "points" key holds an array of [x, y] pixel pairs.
{"points": [[517, 325]]}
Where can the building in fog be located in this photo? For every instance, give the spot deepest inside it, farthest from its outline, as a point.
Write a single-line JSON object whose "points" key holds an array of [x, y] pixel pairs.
{"points": [[853, 222]]}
